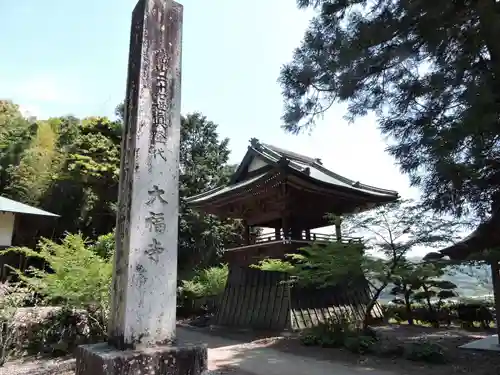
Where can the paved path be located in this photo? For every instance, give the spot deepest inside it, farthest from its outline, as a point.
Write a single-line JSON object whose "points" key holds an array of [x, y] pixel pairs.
{"points": [[254, 359]]}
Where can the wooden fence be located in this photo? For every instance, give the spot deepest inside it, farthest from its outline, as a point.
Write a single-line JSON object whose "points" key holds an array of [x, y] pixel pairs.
{"points": [[264, 300]]}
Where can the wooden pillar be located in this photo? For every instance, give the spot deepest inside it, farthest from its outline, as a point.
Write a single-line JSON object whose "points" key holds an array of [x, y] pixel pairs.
{"points": [[308, 234], [246, 235], [285, 212], [297, 233], [277, 233], [338, 230], [285, 224], [495, 276]]}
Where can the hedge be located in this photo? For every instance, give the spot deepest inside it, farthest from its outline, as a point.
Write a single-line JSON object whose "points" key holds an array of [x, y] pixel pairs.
{"points": [[464, 313]]}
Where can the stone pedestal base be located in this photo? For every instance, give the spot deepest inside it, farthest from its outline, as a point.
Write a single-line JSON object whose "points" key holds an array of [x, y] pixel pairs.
{"points": [[102, 359]]}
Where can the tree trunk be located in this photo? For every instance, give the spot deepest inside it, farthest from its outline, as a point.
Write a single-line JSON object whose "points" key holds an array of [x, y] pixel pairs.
{"points": [[432, 312], [495, 275], [371, 305], [409, 311]]}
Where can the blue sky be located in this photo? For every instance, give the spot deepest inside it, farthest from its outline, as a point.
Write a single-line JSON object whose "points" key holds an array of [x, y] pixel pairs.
{"points": [[62, 56]]}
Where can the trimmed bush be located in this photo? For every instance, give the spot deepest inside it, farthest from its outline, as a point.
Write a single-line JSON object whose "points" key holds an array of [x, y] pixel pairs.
{"points": [[359, 344], [201, 294], [426, 352], [339, 333], [466, 313], [206, 283]]}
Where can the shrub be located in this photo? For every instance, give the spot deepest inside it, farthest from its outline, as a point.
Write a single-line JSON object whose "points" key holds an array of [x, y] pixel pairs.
{"points": [[49, 331], [469, 313], [276, 265], [206, 283], [105, 246], [359, 344], [310, 339], [325, 335], [426, 352], [332, 334], [200, 295], [75, 276], [61, 331], [13, 296], [15, 291], [389, 348], [465, 313]]}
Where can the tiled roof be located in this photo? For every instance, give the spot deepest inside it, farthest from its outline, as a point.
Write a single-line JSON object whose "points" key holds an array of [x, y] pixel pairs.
{"points": [[310, 168]]}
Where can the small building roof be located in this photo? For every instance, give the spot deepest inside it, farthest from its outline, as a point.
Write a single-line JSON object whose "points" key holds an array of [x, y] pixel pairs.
{"points": [[485, 237], [9, 205], [307, 168]]}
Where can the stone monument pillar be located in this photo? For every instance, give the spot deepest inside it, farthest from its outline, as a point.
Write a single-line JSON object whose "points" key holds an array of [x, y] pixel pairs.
{"points": [[142, 321]]}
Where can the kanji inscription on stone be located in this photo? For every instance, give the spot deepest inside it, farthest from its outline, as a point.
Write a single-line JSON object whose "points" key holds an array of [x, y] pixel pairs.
{"points": [[154, 250], [156, 222], [143, 308], [154, 194]]}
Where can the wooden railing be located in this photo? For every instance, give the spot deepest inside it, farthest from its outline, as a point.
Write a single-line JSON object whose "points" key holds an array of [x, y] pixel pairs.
{"points": [[313, 237]]}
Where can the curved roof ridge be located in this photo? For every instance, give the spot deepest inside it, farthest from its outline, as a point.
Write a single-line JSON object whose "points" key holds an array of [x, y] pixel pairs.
{"points": [[304, 167], [208, 192], [316, 163], [352, 182], [277, 157], [290, 154], [224, 188]]}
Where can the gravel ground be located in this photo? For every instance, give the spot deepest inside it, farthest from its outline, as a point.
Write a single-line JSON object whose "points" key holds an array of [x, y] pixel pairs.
{"points": [[31, 366], [462, 361], [65, 366], [217, 372]]}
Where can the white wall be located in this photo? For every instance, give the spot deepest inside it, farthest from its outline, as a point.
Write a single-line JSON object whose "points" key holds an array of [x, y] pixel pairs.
{"points": [[256, 163], [6, 228]]}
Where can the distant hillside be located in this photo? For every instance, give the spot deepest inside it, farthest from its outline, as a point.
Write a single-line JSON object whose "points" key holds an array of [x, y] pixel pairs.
{"points": [[467, 286]]}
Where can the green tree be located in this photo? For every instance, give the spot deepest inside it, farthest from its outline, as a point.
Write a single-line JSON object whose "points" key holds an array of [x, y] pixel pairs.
{"points": [[64, 165], [393, 231], [203, 159], [74, 275], [435, 288], [430, 70], [71, 167], [421, 281], [86, 187], [16, 134], [120, 112], [94, 162], [390, 232], [323, 265], [67, 128], [31, 177], [8, 113]]}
